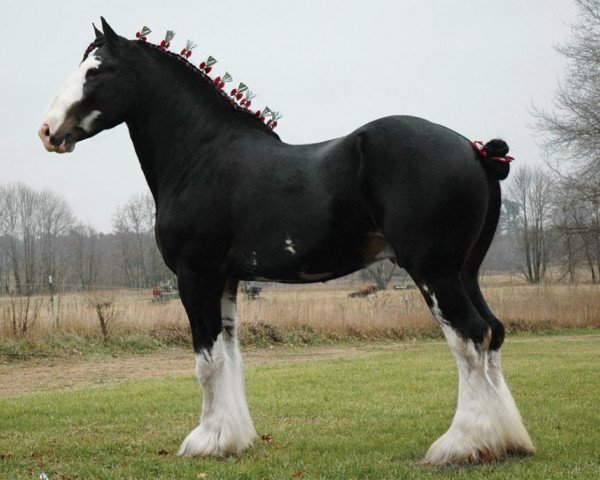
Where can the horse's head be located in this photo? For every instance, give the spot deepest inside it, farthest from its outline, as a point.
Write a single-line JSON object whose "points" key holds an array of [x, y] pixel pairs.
{"points": [[97, 96]]}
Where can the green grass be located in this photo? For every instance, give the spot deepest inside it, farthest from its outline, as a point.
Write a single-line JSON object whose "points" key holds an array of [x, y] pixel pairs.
{"points": [[365, 417], [259, 336]]}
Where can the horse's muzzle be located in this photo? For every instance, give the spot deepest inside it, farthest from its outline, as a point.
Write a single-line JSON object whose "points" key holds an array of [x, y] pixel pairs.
{"points": [[49, 142]]}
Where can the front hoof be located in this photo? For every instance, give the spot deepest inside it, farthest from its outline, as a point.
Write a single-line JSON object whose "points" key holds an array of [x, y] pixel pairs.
{"points": [[206, 442], [454, 448], [471, 456]]}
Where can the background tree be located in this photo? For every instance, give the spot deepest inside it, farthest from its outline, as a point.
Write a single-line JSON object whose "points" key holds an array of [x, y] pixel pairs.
{"points": [[531, 190], [138, 256], [572, 130], [54, 220], [380, 273], [19, 206], [32, 226], [87, 256]]}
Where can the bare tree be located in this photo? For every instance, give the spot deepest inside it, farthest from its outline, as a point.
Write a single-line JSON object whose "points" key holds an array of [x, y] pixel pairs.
{"points": [[86, 255], [531, 189], [31, 225], [381, 273], [573, 130], [574, 124], [19, 228], [9, 226], [139, 258], [578, 222], [54, 221]]}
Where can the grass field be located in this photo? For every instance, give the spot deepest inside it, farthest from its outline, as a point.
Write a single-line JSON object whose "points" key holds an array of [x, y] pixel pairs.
{"points": [[366, 416]]}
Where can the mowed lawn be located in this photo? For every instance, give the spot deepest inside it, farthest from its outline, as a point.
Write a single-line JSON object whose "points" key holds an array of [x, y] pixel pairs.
{"points": [[372, 415]]}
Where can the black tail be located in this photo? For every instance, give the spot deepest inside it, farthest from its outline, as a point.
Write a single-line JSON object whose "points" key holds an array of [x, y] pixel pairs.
{"points": [[495, 148]]}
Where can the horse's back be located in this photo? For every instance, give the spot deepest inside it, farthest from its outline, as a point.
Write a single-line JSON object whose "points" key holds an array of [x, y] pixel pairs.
{"points": [[413, 150]]}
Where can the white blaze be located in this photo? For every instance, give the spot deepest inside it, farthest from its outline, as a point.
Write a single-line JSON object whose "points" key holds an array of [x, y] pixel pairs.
{"points": [[70, 93]]}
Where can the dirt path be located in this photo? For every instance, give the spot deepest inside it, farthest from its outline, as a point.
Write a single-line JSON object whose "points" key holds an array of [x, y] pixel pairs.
{"points": [[57, 373], [47, 374]]}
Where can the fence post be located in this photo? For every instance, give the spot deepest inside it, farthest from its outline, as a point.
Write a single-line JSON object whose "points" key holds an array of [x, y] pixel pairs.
{"points": [[51, 289]]}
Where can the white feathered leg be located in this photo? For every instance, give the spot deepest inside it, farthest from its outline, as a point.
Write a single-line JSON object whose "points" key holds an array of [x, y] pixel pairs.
{"points": [[519, 441], [486, 424], [225, 425]]}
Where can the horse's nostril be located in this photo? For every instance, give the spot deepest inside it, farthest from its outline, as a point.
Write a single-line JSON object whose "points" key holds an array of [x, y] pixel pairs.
{"points": [[44, 131]]}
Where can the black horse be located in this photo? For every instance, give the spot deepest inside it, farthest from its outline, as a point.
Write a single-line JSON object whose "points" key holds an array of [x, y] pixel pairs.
{"points": [[234, 202]]}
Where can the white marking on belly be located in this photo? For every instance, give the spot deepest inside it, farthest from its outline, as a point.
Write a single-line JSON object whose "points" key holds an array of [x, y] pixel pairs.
{"points": [[290, 246], [70, 93], [253, 260]]}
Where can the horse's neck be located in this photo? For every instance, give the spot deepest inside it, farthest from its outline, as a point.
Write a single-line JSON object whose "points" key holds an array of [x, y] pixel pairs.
{"points": [[176, 122]]}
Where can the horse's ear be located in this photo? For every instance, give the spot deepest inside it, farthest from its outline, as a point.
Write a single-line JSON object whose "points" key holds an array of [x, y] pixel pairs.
{"points": [[110, 35], [97, 32]]}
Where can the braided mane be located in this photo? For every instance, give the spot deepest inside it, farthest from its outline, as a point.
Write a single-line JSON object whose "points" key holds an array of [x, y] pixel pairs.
{"points": [[259, 119], [217, 84]]}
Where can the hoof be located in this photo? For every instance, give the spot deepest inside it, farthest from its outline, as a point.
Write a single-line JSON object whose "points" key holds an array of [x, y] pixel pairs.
{"points": [[454, 448], [215, 442], [520, 450], [459, 455]]}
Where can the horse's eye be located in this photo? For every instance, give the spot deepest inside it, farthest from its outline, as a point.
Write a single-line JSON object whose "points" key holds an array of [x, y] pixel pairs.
{"points": [[94, 72]]}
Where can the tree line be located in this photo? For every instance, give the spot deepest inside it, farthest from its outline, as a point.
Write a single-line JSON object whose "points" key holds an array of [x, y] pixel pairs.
{"points": [[571, 132], [549, 222], [43, 245]]}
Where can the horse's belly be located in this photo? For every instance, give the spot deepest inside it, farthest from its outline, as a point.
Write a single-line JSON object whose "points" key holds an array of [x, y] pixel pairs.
{"points": [[294, 260]]}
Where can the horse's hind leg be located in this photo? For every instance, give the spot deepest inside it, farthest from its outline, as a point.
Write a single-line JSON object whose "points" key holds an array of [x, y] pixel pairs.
{"points": [[520, 440], [483, 428]]}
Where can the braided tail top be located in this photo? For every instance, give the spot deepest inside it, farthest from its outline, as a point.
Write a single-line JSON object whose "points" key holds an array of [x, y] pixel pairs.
{"points": [[494, 157]]}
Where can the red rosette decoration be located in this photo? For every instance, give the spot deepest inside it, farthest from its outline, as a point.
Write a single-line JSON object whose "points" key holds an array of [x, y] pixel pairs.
{"points": [[206, 65], [143, 33], [221, 81], [166, 43], [187, 51]]}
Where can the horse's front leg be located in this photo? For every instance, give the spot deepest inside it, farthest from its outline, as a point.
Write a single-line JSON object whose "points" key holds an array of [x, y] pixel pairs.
{"points": [[225, 425]]}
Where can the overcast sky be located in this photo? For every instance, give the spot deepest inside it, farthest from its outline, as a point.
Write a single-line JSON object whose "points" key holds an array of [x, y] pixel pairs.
{"points": [[329, 66]]}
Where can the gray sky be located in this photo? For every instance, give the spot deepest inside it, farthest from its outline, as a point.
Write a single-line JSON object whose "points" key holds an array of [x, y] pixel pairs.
{"points": [[329, 66]]}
